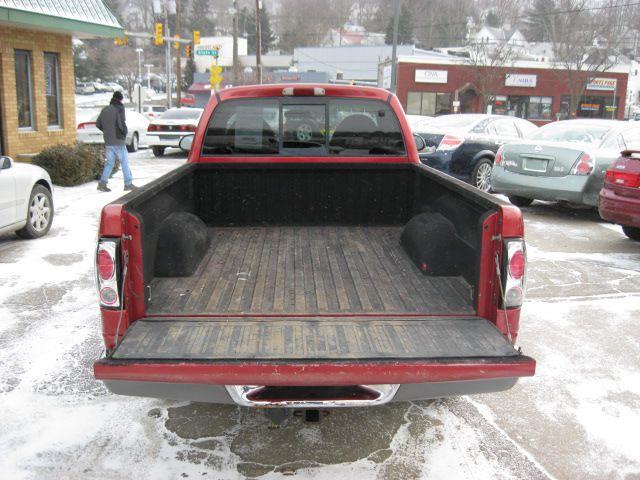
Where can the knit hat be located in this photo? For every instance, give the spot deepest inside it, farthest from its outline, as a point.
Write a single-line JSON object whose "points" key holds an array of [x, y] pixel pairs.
{"points": [[117, 95]]}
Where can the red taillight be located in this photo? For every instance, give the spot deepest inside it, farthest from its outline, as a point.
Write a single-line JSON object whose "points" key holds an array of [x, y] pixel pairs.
{"points": [[584, 165], [622, 179], [152, 128], [83, 125], [107, 272], [106, 265], [516, 265], [450, 142], [498, 159]]}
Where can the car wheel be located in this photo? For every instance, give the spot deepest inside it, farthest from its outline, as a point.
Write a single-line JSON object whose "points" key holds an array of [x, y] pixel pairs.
{"points": [[520, 201], [632, 232], [481, 175], [39, 213], [133, 146], [158, 151]]}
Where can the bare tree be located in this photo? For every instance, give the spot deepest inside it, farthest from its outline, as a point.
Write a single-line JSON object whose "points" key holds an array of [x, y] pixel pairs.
{"points": [[585, 42], [488, 60]]}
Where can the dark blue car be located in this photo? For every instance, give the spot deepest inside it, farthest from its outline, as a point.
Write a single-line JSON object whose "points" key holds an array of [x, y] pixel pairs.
{"points": [[464, 145]]}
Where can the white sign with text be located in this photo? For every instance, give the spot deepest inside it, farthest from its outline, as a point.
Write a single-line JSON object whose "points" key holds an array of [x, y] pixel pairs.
{"points": [[431, 76], [520, 80]]}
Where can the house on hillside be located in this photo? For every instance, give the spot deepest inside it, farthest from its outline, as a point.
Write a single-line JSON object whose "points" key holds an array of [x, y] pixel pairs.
{"points": [[37, 82]]}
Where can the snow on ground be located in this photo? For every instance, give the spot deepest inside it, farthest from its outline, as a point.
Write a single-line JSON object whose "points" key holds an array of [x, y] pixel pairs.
{"points": [[577, 418]]}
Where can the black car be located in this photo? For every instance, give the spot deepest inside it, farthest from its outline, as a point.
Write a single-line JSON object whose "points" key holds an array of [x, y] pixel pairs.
{"points": [[464, 145]]}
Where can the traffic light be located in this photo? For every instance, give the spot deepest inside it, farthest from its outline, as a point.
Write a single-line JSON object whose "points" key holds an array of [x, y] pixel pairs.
{"points": [[157, 39], [215, 78], [187, 51], [196, 37], [176, 44], [121, 41]]}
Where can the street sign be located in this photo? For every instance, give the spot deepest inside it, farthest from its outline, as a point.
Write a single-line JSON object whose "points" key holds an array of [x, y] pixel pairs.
{"points": [[211, 53]]}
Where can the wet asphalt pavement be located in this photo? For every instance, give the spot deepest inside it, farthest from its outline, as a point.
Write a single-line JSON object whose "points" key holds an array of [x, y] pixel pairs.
{"points": [[579, 417]]}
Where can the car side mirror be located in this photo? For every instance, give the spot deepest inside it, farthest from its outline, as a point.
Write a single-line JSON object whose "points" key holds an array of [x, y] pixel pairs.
{"points": [[5, 162], [420, 143], [185, 143]]}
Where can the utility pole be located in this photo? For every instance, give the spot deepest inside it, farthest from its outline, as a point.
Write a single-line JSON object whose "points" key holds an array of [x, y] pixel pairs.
{"points": [[139, 99], [258, 43], [178, 57], [236, 72], [167, 49], [394, 63]]}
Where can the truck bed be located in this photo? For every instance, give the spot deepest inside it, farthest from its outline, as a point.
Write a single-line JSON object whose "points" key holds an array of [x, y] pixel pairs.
{"points": [[308, 270]]}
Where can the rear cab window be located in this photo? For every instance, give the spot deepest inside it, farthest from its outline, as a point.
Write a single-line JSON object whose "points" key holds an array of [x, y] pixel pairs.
{"points": [[304, 126]]}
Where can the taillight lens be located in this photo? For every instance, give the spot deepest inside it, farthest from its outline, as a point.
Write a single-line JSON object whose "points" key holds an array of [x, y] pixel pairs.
{"points": [[83, 125], [106, 265], [622, 179], [498, 159], [107, 272], [450, 142], [584, 165], [152, 128], [513, 282]]}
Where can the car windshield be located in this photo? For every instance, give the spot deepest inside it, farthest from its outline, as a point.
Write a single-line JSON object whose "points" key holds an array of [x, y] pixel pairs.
{"points": [[574, 133], [181, 114], [455, 121]]}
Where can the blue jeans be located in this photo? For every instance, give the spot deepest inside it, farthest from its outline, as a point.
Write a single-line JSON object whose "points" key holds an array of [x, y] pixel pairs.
{"points": [[119, 152]]}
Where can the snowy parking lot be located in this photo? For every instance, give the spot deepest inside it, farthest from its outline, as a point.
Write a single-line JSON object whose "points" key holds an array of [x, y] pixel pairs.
{"points": [[578, 418]]}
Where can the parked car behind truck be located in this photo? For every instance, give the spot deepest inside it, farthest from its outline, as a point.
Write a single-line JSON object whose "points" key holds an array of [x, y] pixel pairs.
{"points": [[620, 195], [562, 161], [324, 270], [464, 145]]}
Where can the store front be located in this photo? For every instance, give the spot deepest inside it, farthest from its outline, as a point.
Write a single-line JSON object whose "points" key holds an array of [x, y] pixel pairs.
{"points": [[538, 94], [37, 87]]}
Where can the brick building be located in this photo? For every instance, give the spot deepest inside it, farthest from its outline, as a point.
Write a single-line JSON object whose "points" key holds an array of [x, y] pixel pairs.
{"points": [[532, 90], [37, 82]]}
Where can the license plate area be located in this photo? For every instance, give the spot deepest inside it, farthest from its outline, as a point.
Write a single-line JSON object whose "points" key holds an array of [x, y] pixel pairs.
{"points": [[534, 165]]}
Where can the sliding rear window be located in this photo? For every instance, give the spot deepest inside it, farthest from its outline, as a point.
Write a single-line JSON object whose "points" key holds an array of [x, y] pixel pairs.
{"points": [[304, 126]]}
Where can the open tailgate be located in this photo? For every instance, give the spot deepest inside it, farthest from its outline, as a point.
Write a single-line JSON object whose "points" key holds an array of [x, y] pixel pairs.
{"points": [[313, 351]]}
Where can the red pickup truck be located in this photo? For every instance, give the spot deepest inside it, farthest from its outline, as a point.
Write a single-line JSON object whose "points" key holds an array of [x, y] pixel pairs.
{"points": [[303, 257]]}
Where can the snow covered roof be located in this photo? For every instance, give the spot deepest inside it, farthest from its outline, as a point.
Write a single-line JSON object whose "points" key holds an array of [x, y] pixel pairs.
{"points": [[81, 17]]}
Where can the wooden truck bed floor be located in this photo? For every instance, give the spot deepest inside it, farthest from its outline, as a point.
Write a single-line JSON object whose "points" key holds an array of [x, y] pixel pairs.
{"points": [[308, 270]]}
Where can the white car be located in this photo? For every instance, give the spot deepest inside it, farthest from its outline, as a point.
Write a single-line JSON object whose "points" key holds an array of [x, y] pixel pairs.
{"points": [[87, 132], [153, 112], [168, 130], [26, 200]]}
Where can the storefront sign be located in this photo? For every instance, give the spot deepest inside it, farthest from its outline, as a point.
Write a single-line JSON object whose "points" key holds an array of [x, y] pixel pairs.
{"points": [[519, 80], [601, 83], [431, 76]]}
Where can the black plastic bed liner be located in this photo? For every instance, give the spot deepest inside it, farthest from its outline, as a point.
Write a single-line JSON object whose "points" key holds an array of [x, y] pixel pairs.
{"points": [[308, 270], [238, 338]]}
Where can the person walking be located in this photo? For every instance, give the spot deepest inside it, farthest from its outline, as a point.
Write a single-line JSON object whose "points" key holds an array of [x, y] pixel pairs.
{"points": [[112, 123]]}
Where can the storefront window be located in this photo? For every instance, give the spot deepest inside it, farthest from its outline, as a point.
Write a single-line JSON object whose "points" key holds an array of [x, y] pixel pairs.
{"points": [[536, 108], [22, 61], [428, 103], [592, 106], [52, 89]]}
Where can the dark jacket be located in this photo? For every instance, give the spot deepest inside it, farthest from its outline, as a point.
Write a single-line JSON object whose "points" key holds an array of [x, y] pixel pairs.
{"points": [[112, 123]]}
